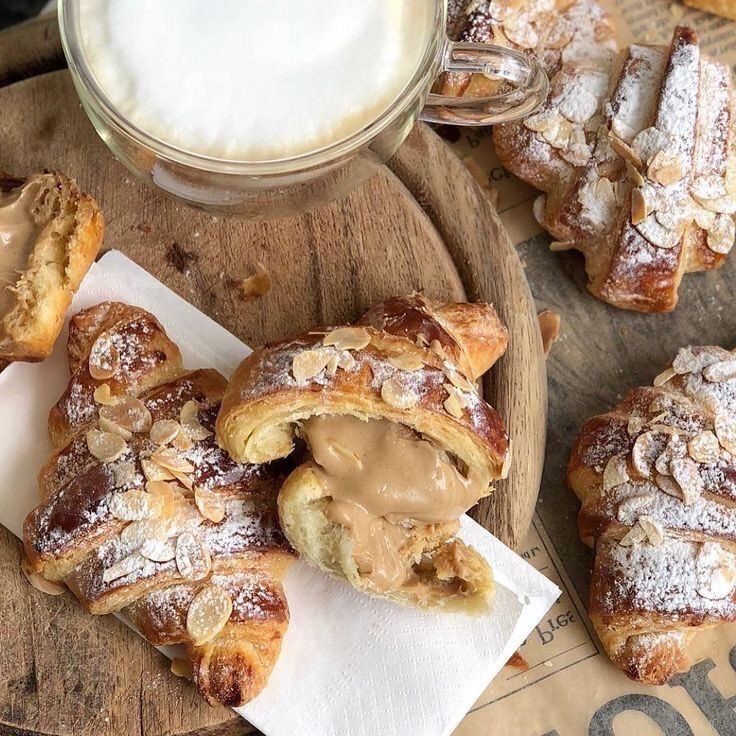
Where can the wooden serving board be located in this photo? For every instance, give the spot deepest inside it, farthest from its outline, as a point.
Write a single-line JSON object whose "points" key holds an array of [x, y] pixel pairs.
{"points": [[419, 224]]}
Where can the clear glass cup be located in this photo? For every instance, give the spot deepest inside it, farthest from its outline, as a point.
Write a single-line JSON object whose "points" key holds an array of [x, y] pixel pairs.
{"points": [[292, 185]]}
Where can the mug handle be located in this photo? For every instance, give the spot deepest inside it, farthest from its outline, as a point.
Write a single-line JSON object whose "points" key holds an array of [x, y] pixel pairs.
{"points": [[523, 71]]}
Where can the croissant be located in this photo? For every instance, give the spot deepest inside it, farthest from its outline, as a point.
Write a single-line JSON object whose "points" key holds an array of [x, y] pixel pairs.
{"points": [[141, 512], [637, 160], [557, 31], [395, 444], [657, 481]]}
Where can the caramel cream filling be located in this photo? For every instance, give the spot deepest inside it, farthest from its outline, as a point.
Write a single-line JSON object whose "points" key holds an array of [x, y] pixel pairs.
{"points": [[382, 480], [18, 233]]}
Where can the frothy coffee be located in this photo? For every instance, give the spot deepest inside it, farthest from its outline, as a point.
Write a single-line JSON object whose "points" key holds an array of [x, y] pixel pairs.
{"points": [[253, 80]]}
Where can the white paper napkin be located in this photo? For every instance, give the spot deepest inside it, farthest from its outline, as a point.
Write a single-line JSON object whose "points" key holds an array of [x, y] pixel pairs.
{"points": [[350, 665]]}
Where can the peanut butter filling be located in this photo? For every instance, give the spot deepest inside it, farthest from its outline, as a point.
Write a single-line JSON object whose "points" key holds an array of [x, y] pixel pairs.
{"points": [[383, 480], [18, 233]]}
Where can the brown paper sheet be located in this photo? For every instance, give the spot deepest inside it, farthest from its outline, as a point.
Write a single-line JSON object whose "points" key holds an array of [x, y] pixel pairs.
{"points": [[570, 687]]}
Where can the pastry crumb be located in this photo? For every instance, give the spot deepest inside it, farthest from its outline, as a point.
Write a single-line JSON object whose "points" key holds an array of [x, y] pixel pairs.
{"points": [[255, 285]]}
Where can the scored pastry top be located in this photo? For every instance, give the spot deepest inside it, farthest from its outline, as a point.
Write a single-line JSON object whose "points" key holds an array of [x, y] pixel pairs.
{"points": [[657, 479], [636, 157]]}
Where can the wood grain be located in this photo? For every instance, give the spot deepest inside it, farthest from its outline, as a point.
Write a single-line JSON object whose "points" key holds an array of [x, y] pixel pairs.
{"points": [[65, 672]]}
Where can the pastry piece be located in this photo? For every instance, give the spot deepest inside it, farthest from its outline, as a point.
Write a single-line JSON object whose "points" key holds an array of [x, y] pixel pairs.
{"points": [[725, 8], [657, 479], [396, 445], [557, 31], [141, 511], [50, 233], [637, 160]]}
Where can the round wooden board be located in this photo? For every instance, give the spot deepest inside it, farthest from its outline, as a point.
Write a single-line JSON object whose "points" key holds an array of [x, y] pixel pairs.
{"points": [[420, 224]]}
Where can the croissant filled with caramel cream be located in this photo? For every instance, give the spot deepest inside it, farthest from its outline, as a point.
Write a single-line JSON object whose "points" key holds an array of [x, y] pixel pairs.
{"points": [[394, 440]]}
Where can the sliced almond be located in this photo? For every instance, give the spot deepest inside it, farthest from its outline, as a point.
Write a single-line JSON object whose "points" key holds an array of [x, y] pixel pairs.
{"points": [[615, 473], [559, 137], [710, 186], [658, 235], [438, 349], [634, 174], [346, 361], [646, 450], [138, 532], [189, 420], [39, 582], [257, 284], [724, 370], [182, 667], [407, 362], [648, 143], [639, 207], [182, 442], [348, 338], [704, 219], [626, 152], [722, 205], [122, 568], [123, 474], [107, 426], [716, 571], [154, 472], [635, 425], [105, 446], [104, 359], [522, 34], [399, 393], [192, 557], [704, 448], [561, 246], [128, 412], [665, 376], [687, 475], [158, 550], [134, 505], [666, 168], [455, 403], [634, 536], [164, 431], [333, 364], [458, 380], [668, 485], [171, 460], [542, 121], [721, 234], [685, 361], [578, 106], [725, 429], [208, 613], [653, 529], [103, 396], [185, 480], [210, 504], [309, 363], [539, 208]]}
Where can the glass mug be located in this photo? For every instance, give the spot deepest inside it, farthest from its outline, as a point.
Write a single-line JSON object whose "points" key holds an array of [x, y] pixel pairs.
{"points": [[296, 184]]}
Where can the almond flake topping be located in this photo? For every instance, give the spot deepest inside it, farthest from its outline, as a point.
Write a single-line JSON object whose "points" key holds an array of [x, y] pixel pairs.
{"points": [[134, 535], [666, 168], [188, 418], [157, 550], [653, 529], [626, 152], [657, 234], [668, 485], [542, 121], [103, 396], [686, 474], [646, 450], [172, 460], [192, 557], [716, 570], [126, 566], [615, 473], [208, 613], [634, 504], [105, 446], [108, 426], [396, 393], [635, 426], [407, 362], [210, 504], [721, 234], [346, 361], [455, 402], [635, 535], [348, 338], [639, 207], [725, 428], [129, 413], [309, 363], [154, 472], [458, 380], [664, 376], [39, 582], [134, 505], [164, 431], [724, 370], [704, 448], [104, 359]]}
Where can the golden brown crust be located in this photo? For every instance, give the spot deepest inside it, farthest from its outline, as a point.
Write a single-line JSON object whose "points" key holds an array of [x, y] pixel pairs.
{"points": [[407, 360], [724, 8], [158, 556], [636, 158], [69, 239], [657, 480]]}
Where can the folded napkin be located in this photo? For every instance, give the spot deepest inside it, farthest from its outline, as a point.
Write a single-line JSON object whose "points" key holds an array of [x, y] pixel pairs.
{"points": [[349, 664]]}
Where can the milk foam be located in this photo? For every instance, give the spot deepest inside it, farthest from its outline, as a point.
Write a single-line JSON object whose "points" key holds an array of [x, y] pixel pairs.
{"points": [[253, 80]]}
